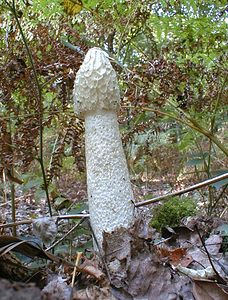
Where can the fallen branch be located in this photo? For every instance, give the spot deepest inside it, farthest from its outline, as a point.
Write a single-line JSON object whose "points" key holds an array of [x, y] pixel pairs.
{"points": [[138, 204], [184, 191]]}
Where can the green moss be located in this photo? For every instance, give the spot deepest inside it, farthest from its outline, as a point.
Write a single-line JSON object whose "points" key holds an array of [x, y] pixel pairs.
{"points": [[171, 212]]}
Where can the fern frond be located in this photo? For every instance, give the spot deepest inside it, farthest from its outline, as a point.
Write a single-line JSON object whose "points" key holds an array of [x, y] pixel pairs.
{"points": [[72, 7]]}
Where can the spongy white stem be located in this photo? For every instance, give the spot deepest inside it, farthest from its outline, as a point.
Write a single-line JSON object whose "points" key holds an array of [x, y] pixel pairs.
{"points": [[109, 189], [96, 99]]}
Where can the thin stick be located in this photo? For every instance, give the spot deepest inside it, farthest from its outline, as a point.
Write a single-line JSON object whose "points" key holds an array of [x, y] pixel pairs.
{"points": [[189, 189], [13, 212], [4, 187], [12, 224], [5, 203], [65, 235], [76, 216], [12, 8], [221, 280], [79, 255], [100, 252]]}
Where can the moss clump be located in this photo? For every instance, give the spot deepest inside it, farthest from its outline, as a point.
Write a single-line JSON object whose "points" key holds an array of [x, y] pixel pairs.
{"points": [[171, 212]]}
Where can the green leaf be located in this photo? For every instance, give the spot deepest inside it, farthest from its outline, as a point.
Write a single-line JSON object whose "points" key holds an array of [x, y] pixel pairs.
{"points": [[186, 141], [194, 162], [33, 183], [39, 194], [61, 202], [79, 208]]}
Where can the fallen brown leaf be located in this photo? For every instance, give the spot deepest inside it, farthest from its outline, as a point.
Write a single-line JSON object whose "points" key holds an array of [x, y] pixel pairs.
{"points": [[203, 290], [91, 268]]}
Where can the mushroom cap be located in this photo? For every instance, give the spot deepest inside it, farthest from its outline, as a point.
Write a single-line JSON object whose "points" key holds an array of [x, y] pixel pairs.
{"points": [[96, 86]]}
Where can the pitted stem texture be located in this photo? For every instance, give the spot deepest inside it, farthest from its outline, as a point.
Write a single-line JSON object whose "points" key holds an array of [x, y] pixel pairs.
{"points": [[109, 189], [96, 99]]}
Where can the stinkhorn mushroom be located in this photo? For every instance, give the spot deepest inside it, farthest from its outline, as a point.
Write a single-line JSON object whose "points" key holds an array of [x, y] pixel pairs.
{"points": [[96, 99]]}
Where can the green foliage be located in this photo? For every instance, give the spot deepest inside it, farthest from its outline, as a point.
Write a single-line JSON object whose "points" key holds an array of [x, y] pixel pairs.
{"points": [[171, 212], [170, 57], [222, 230]]}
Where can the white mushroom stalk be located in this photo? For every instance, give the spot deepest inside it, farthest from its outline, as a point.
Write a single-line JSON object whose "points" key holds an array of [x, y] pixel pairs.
{"points": [[96, 99]]}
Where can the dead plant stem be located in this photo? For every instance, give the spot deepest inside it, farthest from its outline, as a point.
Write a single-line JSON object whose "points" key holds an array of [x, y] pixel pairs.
{"points": [[39, 98]]}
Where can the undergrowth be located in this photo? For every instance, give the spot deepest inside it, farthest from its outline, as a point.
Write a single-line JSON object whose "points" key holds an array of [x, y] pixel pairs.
{"points": [[171, 212]]}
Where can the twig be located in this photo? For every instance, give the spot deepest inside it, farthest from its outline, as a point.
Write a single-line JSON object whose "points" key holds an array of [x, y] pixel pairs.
{"points": [[76, 216], [189, 189], [5, 203], [223, 212], [12, 224], [65, 235], [219, 196], [99, 251], [13, 212], [222, 281], [79, 255], [4, 188], [39, 98]]}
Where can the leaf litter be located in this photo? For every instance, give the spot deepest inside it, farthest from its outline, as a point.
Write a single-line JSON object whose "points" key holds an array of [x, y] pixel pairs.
{"points": [[137, 263]]}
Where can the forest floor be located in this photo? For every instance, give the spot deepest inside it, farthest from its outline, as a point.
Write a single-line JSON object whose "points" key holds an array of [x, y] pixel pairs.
{"points": [[187, 262]]}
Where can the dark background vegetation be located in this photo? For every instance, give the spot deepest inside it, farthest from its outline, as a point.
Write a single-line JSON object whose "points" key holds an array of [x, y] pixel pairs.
{"points": [[171, 61]]}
